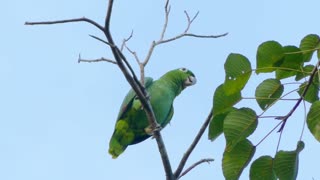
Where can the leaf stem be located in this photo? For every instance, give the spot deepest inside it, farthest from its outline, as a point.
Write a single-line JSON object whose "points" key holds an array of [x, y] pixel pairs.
{"points": [[313, 73]]}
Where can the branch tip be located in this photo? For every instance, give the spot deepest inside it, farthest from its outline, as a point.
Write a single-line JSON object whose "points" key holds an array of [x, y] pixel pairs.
{"points": [[208, 160]]}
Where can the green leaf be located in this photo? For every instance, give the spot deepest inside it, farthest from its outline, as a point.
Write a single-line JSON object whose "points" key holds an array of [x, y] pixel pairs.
{"points": [[238, 125], [291, 64], [286, 163], [238, 71], [222, 101], [216, 124], [306, 71], [313, 120], [308, 45], [312, 93], [268, 55], [268, 92], [262, 169], [235, 161]]}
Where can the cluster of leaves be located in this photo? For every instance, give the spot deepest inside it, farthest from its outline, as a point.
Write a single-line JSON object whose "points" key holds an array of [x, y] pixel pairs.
{"points": [[237, 124]]}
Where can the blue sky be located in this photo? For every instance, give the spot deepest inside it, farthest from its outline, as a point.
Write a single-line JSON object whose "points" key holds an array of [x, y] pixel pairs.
{"points": [[57, 115]]}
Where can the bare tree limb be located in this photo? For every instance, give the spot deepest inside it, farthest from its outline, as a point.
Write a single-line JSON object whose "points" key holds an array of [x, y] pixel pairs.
{"points": [[167, 9], [190, 21], [101, 40], [195, 165], [125, 40], [193, 145], [102, 59], [83, 19], [185, 33], [190, 35], [133, 53]]}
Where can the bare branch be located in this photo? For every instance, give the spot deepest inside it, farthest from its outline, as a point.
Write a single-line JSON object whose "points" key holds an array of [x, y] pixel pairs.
{"points": [[193, 145], [183, 34], [141, 65], [190, 21], [125, 41], [167, 9], [194, 17], [190, 35], [195, 165], [152, 46], [133, 53], [101, 40], [102, 59], [83, 19]]}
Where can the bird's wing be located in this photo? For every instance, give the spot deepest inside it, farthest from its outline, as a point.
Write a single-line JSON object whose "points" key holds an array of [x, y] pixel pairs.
{"points": [[128, 100]]}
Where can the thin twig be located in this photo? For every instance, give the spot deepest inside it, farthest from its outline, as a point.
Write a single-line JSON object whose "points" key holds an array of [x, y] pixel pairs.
{"points": [[125, 40], [133, 53], [102, 59], [274, 117], [124, 44], [193, 145], [83, 19], [190, 21], [190, 35], [313, 73], [133, 74], [141, 66], [268, 134], [195, 165], [279, 140], [280, 99], [183, 34], [167, 9], [101, 40], [305, 120]]}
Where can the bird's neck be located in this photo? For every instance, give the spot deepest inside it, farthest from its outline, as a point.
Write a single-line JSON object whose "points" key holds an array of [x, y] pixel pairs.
{"points": [[172, 85]]}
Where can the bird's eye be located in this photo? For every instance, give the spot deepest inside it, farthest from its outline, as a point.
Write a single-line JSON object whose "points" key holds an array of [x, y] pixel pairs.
{"points": [[183, 69]]}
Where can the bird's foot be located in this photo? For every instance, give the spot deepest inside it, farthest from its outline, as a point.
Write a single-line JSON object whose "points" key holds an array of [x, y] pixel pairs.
{"points": [[150, 130]]}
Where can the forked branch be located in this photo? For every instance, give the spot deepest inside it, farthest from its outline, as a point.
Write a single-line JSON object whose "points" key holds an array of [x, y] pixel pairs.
{"points": [[162, 40]]}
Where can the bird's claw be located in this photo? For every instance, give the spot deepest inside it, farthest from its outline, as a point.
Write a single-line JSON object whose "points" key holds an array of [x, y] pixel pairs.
{"points": [[150, 130]]}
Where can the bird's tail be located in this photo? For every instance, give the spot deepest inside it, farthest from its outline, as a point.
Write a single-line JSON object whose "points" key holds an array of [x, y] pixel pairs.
{"points": [[115, 148]]}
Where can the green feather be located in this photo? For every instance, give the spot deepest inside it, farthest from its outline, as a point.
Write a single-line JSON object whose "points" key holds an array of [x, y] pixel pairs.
{"points": [[132, 122]]}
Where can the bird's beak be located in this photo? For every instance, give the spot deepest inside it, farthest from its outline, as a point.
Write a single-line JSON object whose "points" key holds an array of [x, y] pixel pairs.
{"points": [[191, 80]]}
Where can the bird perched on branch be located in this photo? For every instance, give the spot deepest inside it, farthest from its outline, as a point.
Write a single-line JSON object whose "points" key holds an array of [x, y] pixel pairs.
{"points": [[132, 125]]}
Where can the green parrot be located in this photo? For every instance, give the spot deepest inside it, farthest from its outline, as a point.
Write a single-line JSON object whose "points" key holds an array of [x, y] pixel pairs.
{"points": [[132, 125]]}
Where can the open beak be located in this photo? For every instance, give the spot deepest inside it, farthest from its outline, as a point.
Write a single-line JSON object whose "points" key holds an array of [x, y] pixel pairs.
{"points": [[191, 80]]}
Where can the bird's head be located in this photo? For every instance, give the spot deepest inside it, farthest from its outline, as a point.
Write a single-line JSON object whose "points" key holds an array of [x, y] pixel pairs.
{"points": [[187, 76], [181, 77]]}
